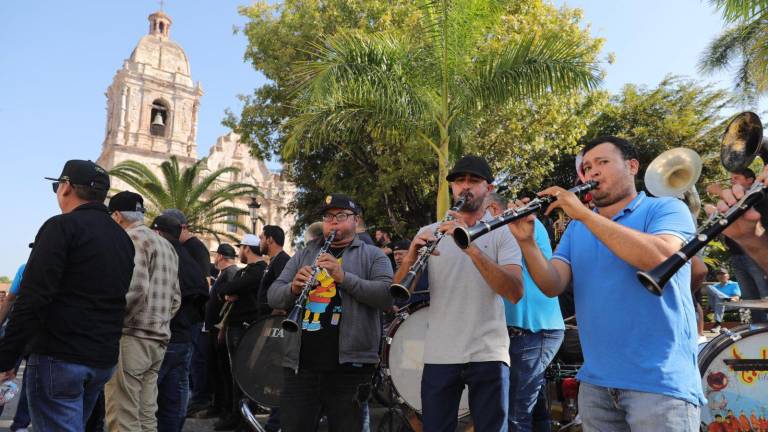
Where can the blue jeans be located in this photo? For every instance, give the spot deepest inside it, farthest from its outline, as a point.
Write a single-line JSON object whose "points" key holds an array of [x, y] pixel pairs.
{"points": [[62, 394], [753, 283], [201, 391], [21, 418], [441, 388], [717, 300], [173, 387], [530, 354], [615, 410]]}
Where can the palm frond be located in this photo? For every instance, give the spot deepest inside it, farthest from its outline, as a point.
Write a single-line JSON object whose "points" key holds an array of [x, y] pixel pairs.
{"points": [[740, 10], [527, 69]]}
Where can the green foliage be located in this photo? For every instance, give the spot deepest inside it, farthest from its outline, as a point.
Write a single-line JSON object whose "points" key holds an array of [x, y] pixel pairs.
{"points": [[742, 47], [357, 100], [203, 198], [5, 279]]}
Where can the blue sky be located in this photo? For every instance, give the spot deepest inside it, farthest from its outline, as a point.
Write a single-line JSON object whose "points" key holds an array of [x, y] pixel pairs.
{"points": [[58, 58]]}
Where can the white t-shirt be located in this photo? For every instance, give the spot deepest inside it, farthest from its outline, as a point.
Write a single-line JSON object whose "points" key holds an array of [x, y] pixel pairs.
{"points": [[466, 317]]}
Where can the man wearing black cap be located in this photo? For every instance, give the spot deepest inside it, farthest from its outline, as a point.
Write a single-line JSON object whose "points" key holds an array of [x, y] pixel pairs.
{"points": [[241, 292], [152, 300], [467, 343], [192, 244], [330, 362], [71, 302], [173, 378]]}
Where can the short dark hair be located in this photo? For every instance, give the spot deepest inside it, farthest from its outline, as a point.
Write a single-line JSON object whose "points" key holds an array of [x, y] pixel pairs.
{"points": [[275, 233], [88, 193], [746, 172], [628, 151], [255, 250]]}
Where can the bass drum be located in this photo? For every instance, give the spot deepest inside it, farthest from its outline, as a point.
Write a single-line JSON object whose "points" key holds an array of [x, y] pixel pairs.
{"points": [[403, 357], [258, 364], [734, 376]]}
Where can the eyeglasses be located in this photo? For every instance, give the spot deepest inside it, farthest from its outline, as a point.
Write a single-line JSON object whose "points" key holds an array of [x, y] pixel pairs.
{"points": [[340, 217], [55, 185]]}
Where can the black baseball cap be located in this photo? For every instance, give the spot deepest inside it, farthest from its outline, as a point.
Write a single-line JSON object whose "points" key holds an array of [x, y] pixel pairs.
{"points": [[83, 173], [471, 164], [339, 201], [226, 250], [126, 201], [176, 214], [167, 224], [400, 245]]}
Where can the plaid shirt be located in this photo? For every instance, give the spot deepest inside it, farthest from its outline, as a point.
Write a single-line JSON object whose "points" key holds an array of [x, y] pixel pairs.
{"points": [[154, 295]]}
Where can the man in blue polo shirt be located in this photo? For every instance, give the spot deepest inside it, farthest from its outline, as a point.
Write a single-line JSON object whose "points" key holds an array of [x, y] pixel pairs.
{"points": [[639, 370], [536, 329]]}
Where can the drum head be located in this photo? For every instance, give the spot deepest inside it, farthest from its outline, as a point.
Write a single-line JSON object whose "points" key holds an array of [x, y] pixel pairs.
{"points": [[404, 357], [258, 363], [734, 376]]}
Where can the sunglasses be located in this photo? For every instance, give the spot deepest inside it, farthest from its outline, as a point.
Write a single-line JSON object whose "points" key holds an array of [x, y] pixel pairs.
{"points": [[55, 185]]}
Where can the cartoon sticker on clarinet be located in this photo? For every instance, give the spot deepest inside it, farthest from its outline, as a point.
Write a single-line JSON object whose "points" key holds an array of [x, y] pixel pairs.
{"points": [[319, 299]]}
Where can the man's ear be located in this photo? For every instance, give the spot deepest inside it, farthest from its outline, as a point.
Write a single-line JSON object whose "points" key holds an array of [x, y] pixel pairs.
{"points": [[634, 166]]}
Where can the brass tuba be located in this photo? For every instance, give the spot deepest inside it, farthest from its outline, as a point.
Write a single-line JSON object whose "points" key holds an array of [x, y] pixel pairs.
{"points": [[675, 173]]}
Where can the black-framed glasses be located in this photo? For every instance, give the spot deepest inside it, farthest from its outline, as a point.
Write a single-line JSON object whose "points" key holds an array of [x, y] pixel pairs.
{"points": [[340, 217], [55, 185]]}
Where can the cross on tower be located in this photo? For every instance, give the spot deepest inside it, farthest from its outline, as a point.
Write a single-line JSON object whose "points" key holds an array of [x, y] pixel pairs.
{"points": [[162, 4]]}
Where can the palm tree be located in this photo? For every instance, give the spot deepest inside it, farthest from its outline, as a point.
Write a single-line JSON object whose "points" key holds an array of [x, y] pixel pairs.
{"points": [[742, 47], [202, 200], [397, 89]]}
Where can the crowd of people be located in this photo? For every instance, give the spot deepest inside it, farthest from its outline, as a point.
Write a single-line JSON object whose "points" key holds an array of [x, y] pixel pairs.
{"points": [[131, 327]]}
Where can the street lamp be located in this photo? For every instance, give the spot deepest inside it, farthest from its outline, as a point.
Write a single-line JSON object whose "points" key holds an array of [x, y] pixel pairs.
{"points": [[253, 209]]}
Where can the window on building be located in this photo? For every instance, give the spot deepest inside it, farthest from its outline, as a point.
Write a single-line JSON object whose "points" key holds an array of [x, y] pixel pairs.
{"points": [[231, 220], [159, 118]]}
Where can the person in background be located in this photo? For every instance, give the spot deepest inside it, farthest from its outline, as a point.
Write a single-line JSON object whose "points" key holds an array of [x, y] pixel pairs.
{"points": [[153, 298], [71, 303], [724, 290], [173, 378], [536, 330]]}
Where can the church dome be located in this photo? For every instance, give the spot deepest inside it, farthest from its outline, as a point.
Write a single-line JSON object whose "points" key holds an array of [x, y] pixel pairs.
{"points": [[157, 49]]}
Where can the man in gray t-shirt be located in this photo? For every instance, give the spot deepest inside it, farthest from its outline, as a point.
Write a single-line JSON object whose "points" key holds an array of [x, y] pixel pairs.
{"points": [[467, 343]]}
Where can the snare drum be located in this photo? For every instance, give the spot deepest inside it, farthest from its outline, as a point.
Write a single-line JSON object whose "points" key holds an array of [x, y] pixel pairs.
{"points": [[258, 363], [734, 376], [403, 357]]}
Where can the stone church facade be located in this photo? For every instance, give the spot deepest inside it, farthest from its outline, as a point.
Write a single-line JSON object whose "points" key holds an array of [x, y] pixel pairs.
{"points": [[152, 114]]}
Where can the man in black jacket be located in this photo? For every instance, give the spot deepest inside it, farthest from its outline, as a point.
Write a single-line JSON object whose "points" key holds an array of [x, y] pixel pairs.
{"points": [[241, 292], [271, 242], [173, 378], [71, 302]]}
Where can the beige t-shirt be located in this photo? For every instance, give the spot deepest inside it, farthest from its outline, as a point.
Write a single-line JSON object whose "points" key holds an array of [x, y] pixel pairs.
{"points": [[466, 317]]}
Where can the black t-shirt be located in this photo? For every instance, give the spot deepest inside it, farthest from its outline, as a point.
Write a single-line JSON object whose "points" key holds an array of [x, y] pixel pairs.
{"points": [[320, 327], [276, 265]]}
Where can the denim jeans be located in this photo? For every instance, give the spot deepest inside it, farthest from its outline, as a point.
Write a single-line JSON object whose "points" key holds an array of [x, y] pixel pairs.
{"points": [[21, 419], [61, 395], [173, 387], [233, 336], [339, 395], [753, 283], [441, 388], [717, 300], [198, 375], [530, 354], [616, 410]]}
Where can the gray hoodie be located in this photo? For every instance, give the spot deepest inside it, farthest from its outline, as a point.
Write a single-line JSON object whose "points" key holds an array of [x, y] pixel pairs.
{"points": [[364, 294]]}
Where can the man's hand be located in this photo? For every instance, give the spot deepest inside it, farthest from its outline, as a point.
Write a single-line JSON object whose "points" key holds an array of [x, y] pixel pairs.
{"points": [[745, 227], [568, 201], [523, 227], [220, 337], [301, 278], [331, 264], [7, 375], [231, 298], [418, 242]]}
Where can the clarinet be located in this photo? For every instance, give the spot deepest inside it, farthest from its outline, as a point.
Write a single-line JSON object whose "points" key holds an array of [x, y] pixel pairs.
{"points": [[291, 323], [402, 290], [464, 236]]}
